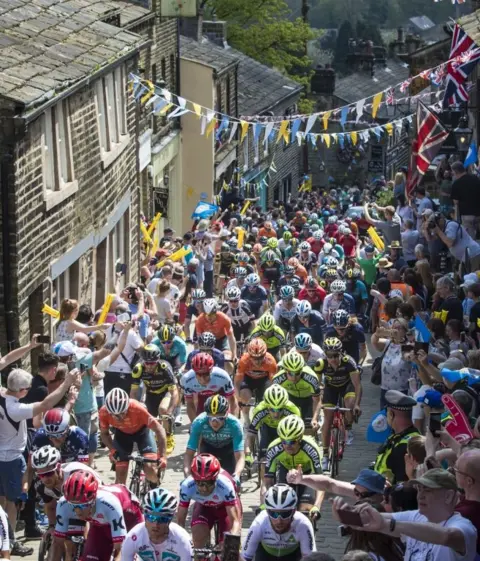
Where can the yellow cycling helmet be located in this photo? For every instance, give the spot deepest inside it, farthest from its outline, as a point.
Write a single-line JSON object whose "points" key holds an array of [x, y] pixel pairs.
{"points": [[272, 243], [293, 362], [266, 322], [275, 397], [291, 428], [166, 333]]}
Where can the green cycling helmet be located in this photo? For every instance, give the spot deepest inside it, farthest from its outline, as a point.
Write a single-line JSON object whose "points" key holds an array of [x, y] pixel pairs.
{"points": [[293, 362], [275, 397], [272, 243], [291, 427], [267, 322]]}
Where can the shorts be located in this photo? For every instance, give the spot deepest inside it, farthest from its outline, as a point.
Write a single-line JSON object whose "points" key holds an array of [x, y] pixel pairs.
{"points": [[11, 476], [123, 443], [240, 331], [332, 394], [210, 514], [225, 455], [262, 555], [256, 385], [89, 423], [305, 404], [153, 400], [221, 344], [267, 436]]}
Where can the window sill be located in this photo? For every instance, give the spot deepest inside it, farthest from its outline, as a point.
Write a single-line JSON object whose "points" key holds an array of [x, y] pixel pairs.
{"points": [[54, 198], [109, 157]]}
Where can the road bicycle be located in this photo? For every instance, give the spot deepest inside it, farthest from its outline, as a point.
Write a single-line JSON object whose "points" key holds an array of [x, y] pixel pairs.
{"points": [[139, 485], [47, 541], [337, 438]]}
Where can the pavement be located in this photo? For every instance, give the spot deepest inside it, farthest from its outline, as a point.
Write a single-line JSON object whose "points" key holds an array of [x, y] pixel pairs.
{"points": [[357, 456]]}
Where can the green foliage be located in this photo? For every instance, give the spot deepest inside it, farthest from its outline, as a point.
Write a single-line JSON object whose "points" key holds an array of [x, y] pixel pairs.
{"points": [[345, 32], [386, 198]]}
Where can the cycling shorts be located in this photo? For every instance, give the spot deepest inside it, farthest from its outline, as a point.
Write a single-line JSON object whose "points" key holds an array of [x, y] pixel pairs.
{"points": [[267, 436], [240, 331], [332, 394], [123, 444], [153, 400], [221, 344], [305, 404], [256, 385], [225, 455]]}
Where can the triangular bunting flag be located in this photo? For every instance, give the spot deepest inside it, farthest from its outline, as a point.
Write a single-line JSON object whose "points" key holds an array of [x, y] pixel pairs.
{"points": [[268, 131], [389, 129], [244, 125], [354, 137], [343, 116], [326, 139], [203, 125], [233, 131], [359, 109], [283, 131], [310, 123], [325, 118], [376, 103], [197, 109], [211, 126], [295, 127]]}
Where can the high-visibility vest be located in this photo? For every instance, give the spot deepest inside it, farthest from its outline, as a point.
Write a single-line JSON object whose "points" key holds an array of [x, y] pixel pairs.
{"points": [[381, 463]]}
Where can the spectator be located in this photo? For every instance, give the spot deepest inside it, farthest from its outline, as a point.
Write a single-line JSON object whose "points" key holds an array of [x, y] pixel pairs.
{"points": [[473, 292], [423, 203], [163, 303], [465, 189], [456, 336], [390, 227], [403, 210], [410, 239], [400, 497], [395, 255], [422, 267], [438, 342], [447, 305], [416, 453], [467, 468], [414, 281], [399, 185], [368, 264], [397, 283]]}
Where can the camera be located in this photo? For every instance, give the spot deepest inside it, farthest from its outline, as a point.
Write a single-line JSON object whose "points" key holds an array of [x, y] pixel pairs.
{"points": [[434, 220], [344, 531]]}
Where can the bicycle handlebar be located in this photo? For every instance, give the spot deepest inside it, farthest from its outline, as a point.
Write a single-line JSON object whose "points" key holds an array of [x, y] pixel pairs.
{"points": [[141, 460], [342, 409]]}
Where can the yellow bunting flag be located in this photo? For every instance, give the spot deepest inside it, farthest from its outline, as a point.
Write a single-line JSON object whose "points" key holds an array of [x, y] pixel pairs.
{"points": [[154, 223], [354, 137], [165, 109], [389, 129], [50, 311], [211, 127], [245, 207], [197, 109], [179, 254], [376, 239], [325, 118], [145, 234], [244, 126], [148, 95], [377, 99], [106, 307], [282, 131], [241, 237], [326, 139]]}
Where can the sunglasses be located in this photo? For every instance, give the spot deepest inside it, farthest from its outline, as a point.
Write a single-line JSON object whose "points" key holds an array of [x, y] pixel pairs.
{"points": [[283, 514], [82, 506], [216, 418], [206, 484], [293, 374], [332, 355], [158, 519], [148, 363], [167, 342], [275, 409], [233, 301], [46, 474], [289, 442], [363, 495]]}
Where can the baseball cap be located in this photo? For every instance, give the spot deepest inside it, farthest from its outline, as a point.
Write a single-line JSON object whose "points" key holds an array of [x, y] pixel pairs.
{"points": [[64, 348], [371, 480], [399, 401], [437, 478], [452, 363], [432, 398]]}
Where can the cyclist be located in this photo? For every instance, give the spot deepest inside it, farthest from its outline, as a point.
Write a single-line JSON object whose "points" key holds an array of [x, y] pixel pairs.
{"points": [[267, 414], [302, 385], [158, 537], [218, 433], [240, 274], [305, 346], [273, 335], [272, 245], [307, 258], [255, 371], [194, 309], [111, 510], [255, 295], [316, 242], [350, 333], [291, 449], [172, 347], [284, 311], [357, 290], [313, 293], [244, 260], [270, 268], [204, 380], [341, 378], [206, 344], [133, 424], [226, 259], [337, 300], [309, 321], [299, 270], [239, 313], [279, 532], [267, 231], [71, 441], [219, 324], [162, 396], [286, 245], [216, 500]]}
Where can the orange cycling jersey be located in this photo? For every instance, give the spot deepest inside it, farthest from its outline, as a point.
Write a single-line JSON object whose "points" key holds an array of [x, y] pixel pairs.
{"points": [[247, 367], [301, 272], [220, 327], [264, 233], [136, 418]]}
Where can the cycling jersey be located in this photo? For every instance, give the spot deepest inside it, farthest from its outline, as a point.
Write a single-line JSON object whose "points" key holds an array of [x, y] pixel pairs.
{"points": [[261, 416], [48, 495], [351, 339], [358, 292], [220, 382], [176, 547], [313, 356], [218, 358], [240, 316], [221, 325], [316, 326], [331, 304], [255, 298], [281, 312], [193, 310], [234, 282], [223, 494], [74, 448], [137, 418], [299, 535], [230, 433], [276, 338], [4, 539], [307, 259], [160, 381], [287, 281], [316, 245], [339, 377], [308, 457], [314, 298], [226, 260], [306, 385], [276, 251], [247, 367], [271, 273], [177, 350]]}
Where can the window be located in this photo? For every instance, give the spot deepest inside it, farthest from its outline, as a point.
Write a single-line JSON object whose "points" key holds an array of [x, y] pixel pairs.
{"points": [[57, 147], [111, 109], [66, 285], [227, 101], [287, 187], [118, 251], [218, 99], [163, 65]]}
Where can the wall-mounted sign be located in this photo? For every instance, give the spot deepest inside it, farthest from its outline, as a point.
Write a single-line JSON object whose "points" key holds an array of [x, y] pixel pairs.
{"points": [[160, 200], [178, 8]]}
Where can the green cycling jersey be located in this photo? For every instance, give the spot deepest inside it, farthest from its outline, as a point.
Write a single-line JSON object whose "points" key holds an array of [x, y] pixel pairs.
{"points": [[305, 385], [309, 457], [261, 416], [276, 338]]}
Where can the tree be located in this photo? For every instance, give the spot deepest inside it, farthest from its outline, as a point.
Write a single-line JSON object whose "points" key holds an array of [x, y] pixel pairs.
{"points": [[345, 33]]}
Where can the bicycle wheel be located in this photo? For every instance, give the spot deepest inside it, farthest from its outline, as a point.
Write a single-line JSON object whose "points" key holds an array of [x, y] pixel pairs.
{"points": [[135, 484], [44, 548], [334, 449]]}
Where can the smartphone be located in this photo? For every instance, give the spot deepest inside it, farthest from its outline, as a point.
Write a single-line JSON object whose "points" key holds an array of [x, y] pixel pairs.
{"points": [[407, 348], [435, 424], [83, 368], [121, 268], [419, 346], [123, 317], [44, 339], [349, 517]]}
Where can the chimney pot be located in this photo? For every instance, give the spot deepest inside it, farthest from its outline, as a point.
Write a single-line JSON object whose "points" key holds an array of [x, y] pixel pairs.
{"points": [[400, 35]]}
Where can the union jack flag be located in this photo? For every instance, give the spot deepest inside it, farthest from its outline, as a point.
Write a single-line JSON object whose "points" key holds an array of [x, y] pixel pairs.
{"points": [[438, 77], [405, 85], [390, 96]]}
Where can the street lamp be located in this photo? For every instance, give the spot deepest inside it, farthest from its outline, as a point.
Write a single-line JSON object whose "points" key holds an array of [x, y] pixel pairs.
{"points": [[463, 134]]}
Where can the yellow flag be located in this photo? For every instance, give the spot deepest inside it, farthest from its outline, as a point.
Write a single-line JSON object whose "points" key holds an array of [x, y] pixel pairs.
{"points": [[149, 94], [244, 126], [326, 138], [197, 109], [354, 137], [376, 239], [241, 236], [245, 207], [211, 127], [282, 131], [106, 307], [165, 109], [376, 104], [325, 118], [389, 129], [50, 311], [154, 223]]}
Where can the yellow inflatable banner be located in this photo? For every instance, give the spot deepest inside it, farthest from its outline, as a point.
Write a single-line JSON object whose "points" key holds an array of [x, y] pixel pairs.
{"points": [[245, 207], [376, 239], [50, 311], [154, 223], [146, 235], [105, 308], [241, 237], [180, 254]]}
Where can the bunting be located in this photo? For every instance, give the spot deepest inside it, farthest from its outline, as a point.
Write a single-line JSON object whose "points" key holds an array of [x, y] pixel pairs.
{"points": [[376, 103]]}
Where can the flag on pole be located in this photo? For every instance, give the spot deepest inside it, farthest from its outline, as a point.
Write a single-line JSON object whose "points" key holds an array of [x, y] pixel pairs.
{"points": [[472, 155], [204, 210]]}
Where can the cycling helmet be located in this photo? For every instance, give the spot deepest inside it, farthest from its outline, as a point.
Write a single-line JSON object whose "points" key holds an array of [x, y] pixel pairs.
{"points": [[202, 363], [304, 246], [352, 273], [269, 256], [335, 218], [272, 243], [311, 283], [205, 467], [247, 248], [80, 487], [160, 501], [331, 274], [242, 257], [288, 270], [275, 397], [332, 344], [257, 348], [331, 220], [232, 244], [252, 280], [293, 261], [210, 305], [240, 272], [267, 225], [295, 283], [303, 308], [233, 293], [216, 405], [303, 341], [340, 318], [225, 247], [327, 248], [46, 457], [117, 401], [326, 213], [281, 497], [331, 262], [206, 340], [346, 231], [166, 333], [318, 235], [287, 292], [262, 240], [198, 294], [266, 322], [150, 353], [291, 427], [332, 241], [293, 362], [56, 422], [314, 228], [287, 236], [338, 286], [396, 293], [313, 216], [341, 229], [354, 217]]}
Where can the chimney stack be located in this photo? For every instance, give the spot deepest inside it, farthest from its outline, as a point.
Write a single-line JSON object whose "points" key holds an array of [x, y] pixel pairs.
{"points": [[400, 35]]}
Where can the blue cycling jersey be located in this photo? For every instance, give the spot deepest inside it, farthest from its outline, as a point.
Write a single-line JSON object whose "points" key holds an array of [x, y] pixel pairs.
{"points": [[74, 449], [359, 292], [177, 351], [316, 326], [352, 338], [218, 358], [254, 299], [230, 433]]}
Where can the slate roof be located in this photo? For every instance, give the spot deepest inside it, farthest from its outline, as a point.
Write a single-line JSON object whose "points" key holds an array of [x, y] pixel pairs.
{"points": [[131, 12], [208, 53], [48, 45], [471, 25], [422, 23]]}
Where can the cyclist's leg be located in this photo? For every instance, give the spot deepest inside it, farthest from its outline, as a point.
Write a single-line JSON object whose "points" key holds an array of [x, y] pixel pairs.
{"points": [[330, 399], [224, 455], [98, 545], [305, 404], [123, 444], [349, 399], [147, 447], [246, 394], [306, 498], [202, 524], [152, 401]]}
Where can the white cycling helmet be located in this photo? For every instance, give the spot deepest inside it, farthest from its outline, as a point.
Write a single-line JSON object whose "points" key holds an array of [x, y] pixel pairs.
{"points": [[252, 280], [304, 246], [318, 235], [46, 457], [281, 497], [327, 248], [338, 286], [303, 308], [210, 305], [331, 220], [233, 293], [160, 501], [117, 401]]}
